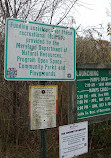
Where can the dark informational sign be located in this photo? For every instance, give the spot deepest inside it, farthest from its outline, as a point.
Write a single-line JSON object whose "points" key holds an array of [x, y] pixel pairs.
{"points": [[93, 92]]}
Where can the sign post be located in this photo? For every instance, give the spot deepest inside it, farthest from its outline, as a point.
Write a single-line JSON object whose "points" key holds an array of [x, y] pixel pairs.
{"points": [[43, 144], [43, 109], [40, 52]]}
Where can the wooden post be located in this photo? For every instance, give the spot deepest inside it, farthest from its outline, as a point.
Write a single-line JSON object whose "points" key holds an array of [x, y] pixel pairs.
{"points": [[72, 105]]}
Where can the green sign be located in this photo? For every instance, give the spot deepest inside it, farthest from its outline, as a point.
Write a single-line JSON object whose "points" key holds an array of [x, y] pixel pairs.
{"points": [[35, 51], [93, 92]]}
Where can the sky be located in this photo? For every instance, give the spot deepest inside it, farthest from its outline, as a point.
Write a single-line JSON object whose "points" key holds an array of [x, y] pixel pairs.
{"points": [[92, 14]]}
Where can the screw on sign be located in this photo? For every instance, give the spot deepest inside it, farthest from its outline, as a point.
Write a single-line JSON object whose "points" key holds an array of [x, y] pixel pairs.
{"points": [[11, 73]]}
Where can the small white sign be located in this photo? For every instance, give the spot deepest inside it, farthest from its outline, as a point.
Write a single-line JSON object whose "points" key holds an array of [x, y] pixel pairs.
{"points": [[43, 106], [73, 140], [35, 51]]}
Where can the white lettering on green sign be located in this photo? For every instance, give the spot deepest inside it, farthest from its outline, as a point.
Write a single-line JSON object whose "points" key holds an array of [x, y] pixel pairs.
{"points": [[93, 93]]}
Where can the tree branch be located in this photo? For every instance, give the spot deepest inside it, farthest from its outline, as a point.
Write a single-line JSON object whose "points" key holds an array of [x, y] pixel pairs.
{"points": [[19, 7], [40, 10], [10, 6], [7, 9], [15, 13], [64, 16], [52, 11], [2, 7]]}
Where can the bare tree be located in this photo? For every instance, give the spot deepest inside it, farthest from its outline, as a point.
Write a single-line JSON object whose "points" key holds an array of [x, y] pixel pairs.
{"points": [[44, 11]]}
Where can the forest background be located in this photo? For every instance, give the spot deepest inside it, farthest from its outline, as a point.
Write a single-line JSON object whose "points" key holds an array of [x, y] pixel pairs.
{"points": [[16, 139]]}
